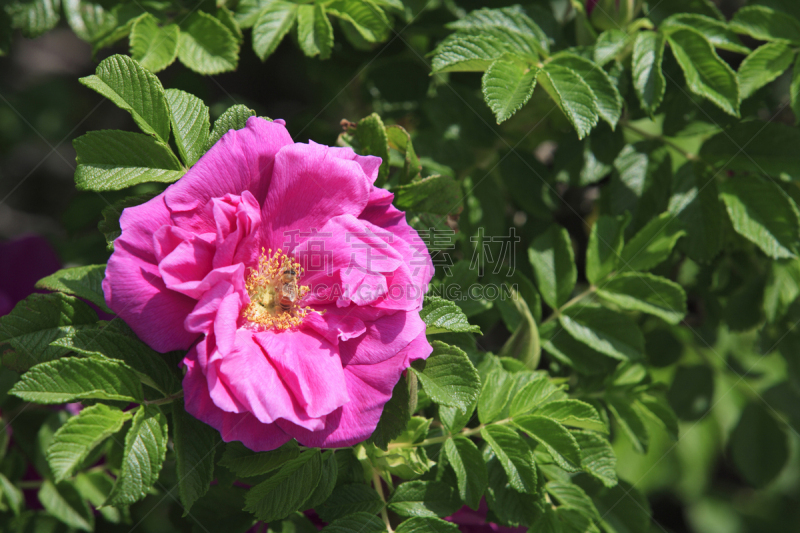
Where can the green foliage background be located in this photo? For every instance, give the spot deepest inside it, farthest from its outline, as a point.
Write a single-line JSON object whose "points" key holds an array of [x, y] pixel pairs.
{"points": [[647, 378]]}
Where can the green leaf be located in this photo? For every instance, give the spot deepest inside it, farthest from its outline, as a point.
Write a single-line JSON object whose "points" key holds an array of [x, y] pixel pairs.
{"points": [[766, 24], [637, 291], [755, 147], [287, 490], [554, 437], [368, 20], [609, 332], [759, 446], [349, 499], [782, 289], [89, 20], [523, 345], [553, 264], [532, 395], [515, 455], [69, 379], [84, 282], [761, 212], [421, 524], [206, 45], [510, 25], [195, 444], [234, 118], [572, 95], [12, 494], [115, 340], [80, 435], [246, 463], [327, 481], [648, 79], [605, 247], [142, 457], [373, 138], [65, 503], [448, 376], [34, 17], [109, 226], [314, 31], [440, 195], [494, 395], [794, 90], [597, 457], [400, 140], [652, 244], [442, 316], [467, 53], [507, 86], [36, 322], [630, 422], [109, 160], [395, 416], [695, 201], [610, 44], [136, 90], [227, 17], [692, 392], [95, 487], [190, 122], [573, 497], [607, 98], [706, 74], [623, 508], [272, 25], [467, 463], [763, 66], [511, 507], [154, 47], [716, 31], [573, 413], [356, 523], [659, 411], [424, 498]]}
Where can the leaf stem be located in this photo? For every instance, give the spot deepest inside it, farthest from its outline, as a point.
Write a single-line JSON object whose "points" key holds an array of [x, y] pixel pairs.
{"points": [[652, 136], [466, 432], [376, 480], [165, 399], [557, 312]]}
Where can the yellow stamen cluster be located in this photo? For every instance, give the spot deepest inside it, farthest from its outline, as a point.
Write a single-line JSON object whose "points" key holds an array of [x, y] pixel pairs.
{"points": [[274, 293]]}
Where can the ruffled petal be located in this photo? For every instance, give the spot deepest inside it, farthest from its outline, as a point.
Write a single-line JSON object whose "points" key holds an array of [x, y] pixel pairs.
{"points": [[385, 337]]}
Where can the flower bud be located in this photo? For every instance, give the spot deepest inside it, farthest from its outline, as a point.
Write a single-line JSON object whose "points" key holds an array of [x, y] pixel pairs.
{"points": [[612, 14]]}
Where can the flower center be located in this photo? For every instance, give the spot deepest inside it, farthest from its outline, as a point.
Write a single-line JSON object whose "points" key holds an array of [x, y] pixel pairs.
{"points": [[274, 293]]}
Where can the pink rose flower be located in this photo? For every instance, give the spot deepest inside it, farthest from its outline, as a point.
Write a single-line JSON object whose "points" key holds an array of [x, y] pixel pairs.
{"points": [[291, 278]]}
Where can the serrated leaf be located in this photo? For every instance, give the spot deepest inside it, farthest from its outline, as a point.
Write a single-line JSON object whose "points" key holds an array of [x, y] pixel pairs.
{"points": [[532, 395], [327, 481], [142, 457], [607, 98], [70, 379], [440, 195], [442, 316], [559, 442], [652, 244], [764, 214], [597, 457], [109, 160], [421, 524], [154, 47], [190, 123], [573, 413], [511, 507], [395, 416], [515, 455], [367, 19], [630, 422], [648, 78], [314, 31], [272, 25], [356, 523], [706, 74], [227, 18], [34, 17], [400, 140], [234, 118], [109, 226], [246, 463], [348, 500], [763, 66], [424, 498], [195, 444], [36, 322], [73, 441], [65, 503], [510, 25], [115, 340], [573, 497], [716, 31], [467, 53], [206, 45], [372, 136], [553, 262], [84, 282], [650, 294], [766, 24], [572, 95], [755, 147], [287, 490], [136, 90], [609, 332], [89, 20], [95, 487], [448, 376], [610, 44], [467, 463], [605, 247], [507, 86], [494, 395]]}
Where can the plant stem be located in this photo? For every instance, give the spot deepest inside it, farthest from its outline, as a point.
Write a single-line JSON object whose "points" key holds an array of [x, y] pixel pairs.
{"points": [[466, 432], [688, 155], [557, 312], [165, 399], [376, 480]]}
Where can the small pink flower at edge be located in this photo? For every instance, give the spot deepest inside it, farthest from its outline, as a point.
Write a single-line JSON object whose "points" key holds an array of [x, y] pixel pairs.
{"points": [[291, 279]]}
